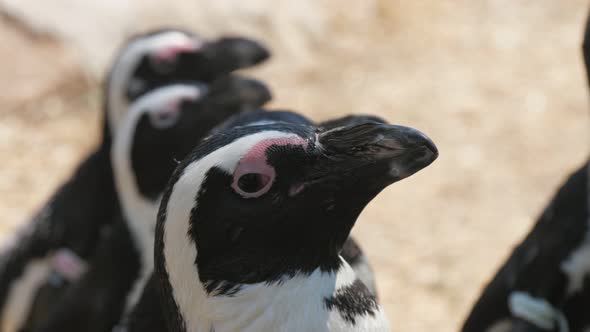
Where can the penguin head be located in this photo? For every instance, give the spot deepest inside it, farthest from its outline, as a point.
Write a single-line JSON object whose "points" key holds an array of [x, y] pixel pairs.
{"points": [[162, 57], [261, 203], [163, 126]]}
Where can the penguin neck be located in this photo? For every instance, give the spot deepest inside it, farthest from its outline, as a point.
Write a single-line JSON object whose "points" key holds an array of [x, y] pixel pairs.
{"points": [[139, 211], [295, 303]]}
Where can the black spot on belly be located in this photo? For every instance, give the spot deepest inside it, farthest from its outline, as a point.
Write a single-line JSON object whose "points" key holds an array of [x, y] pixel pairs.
{"points": [[353, 301]]}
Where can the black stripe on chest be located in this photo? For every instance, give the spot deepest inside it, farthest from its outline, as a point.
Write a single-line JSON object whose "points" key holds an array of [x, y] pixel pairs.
{"points": [[352, 301]]}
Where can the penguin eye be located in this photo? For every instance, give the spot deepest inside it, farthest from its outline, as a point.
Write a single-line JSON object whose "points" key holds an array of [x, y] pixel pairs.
{"points": [[254, 176], [164, 119], [252, 182], [252, 185]]}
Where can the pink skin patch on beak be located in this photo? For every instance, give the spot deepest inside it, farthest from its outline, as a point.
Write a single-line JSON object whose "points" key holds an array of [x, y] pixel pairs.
{"points": [[256, 163]]}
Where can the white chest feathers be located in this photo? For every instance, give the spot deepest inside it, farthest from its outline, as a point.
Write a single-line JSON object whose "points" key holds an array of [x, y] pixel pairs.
{"points": [[322, 302]]}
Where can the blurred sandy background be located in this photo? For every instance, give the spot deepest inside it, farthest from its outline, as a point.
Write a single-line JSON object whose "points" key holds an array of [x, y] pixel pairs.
{"points": [[498, 84]]}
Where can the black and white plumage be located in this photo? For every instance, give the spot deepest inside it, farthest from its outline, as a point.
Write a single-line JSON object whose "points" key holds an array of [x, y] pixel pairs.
{"points": [[75, 215], [160, 128], [250, 228], [545, 283], [551, 264], [147, 315], [351, 250]]}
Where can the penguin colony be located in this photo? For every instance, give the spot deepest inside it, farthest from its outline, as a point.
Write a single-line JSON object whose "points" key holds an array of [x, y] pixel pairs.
{"points": [[187, 145], [201, 210]]}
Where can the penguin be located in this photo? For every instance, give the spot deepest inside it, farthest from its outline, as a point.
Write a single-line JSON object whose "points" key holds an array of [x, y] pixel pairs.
{"points": [[160, 128], [147, 316], [75, 215], [251, 225], [548, 270], [545, 283]]}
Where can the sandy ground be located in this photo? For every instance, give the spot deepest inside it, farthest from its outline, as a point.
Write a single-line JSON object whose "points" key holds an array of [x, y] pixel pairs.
{"points": [[499, 86]]}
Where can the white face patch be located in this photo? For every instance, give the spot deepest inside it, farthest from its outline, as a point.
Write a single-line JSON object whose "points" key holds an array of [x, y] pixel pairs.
{"points": [[179, 251], [165, 43], [162, 105]]}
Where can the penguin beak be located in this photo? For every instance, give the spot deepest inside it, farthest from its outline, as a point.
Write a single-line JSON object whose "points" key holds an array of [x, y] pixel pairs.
{"points": [[232, 53], [405, 149], [370, 155], [233, 89]]}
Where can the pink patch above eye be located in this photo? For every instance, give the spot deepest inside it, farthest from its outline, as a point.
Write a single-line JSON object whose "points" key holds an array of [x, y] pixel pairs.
{"points": [[254, 176], [171, 52]]}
